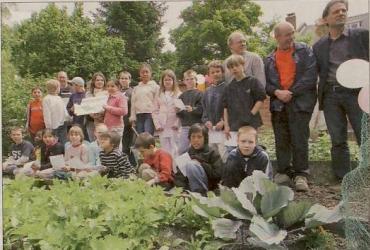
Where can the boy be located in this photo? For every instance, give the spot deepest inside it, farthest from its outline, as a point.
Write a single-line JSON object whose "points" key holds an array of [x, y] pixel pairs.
{"points": [[243, 98], [76, 98], [157, 166], [212, 103], [244, 159], [54, 111], [203, 172], [20, 152], [116, 163], [192, 99]]}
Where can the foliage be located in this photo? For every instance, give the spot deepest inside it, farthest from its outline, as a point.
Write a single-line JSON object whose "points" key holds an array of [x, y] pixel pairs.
{"points": [[267, 208], [51, 41], [96, 213], [318, 239], [203, 34]]}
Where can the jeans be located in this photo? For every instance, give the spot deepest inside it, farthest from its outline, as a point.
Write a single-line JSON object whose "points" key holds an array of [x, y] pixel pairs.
{"points": [[184, 142], [61, 133], [291, 129], [144, 123], [198, 180], [338, 105]]}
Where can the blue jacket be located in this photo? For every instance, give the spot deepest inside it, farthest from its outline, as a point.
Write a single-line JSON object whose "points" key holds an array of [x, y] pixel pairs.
{"points": [[359, 48], [304, 86]]}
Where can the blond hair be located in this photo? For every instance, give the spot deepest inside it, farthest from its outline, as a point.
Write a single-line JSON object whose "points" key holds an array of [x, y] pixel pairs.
{"points": [[247, 130], [76, 130], [216, 64], [52, 86], [190, 73], [234, 60], [171, 74]]}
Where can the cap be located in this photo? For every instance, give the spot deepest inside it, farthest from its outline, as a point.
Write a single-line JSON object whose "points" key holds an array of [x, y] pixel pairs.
{"points": [[78, 80]]}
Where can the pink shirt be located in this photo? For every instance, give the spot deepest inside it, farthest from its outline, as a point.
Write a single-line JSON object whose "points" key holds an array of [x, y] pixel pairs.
{"points": [[115, 110]]}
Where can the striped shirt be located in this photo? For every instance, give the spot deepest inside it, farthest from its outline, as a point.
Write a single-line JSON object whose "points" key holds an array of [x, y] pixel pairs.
{"points": [[117, 164]]}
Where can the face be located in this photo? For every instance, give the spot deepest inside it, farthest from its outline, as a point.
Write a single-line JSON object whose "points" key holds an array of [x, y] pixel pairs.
{"points": [[285, 38], [146, 152], [238, 45], [99, 82], [37, 94], [75, 138], [190, 82], [38, 137], [145, 75], [124, 80], [237, 70], [168, 83], [216, 74], [337, 15], [78, 88], [16, 136], [246, 143], [62, 78], [197, 140], [112, 88], [49, 139], [105, 144]]}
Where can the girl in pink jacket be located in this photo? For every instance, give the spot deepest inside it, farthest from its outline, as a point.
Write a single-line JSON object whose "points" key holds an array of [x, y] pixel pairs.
{"points": [[165, 120]]}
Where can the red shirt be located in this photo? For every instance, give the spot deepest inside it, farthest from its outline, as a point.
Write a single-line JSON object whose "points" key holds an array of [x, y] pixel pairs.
{"points": [[286, 67], [161, 162], [36, 117]]}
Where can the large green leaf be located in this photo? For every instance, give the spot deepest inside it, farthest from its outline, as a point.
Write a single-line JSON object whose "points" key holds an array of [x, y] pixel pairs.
{"points": [[273, 201], [243, 199], [230, 203], [258, 243], [206, 207], [293, 213], [267, 232], [319, 215], [258, 182], [225, 228]]}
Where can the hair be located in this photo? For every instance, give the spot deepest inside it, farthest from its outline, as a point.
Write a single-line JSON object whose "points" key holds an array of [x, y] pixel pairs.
{"points": [[93, 79], [114, 138], [326, 10], [49, 131], [35, 88], [145, 66], [52, 86], [16, 128], [248, 130], [62, 72], [144, 140], [277, 27], [115, 82], [124, 73], [234, 60], [76, 129], [101, 125], [235, 34], [199, 128], [216, 64], [190, 72], [171, 74]]}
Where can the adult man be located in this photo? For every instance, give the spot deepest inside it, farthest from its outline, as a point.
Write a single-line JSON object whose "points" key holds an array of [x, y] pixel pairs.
{"points": [[338, 102], [65, 88], [291, 83], [253, 63]]}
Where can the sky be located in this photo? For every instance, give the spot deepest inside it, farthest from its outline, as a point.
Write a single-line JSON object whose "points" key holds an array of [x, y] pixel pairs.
{"points": [[307, 11]]}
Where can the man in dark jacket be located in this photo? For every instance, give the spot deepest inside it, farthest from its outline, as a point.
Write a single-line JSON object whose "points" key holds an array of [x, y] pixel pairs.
{"points": [[291, 83], [338, 102]]}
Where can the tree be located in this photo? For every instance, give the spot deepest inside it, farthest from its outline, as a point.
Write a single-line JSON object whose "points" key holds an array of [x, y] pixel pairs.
{"points": [[207, 24], [51, 41], [139, 24]]}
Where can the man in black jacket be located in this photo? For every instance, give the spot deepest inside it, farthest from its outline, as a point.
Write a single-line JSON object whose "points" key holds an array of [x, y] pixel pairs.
{"points": [[338, 102], [291, 83]]}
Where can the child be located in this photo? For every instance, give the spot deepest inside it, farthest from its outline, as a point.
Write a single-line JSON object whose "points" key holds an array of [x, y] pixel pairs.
{"points": [[76, 98], [95, 145], [244, 159], [243, 98], [142, 101], [203, 172], [21, 151], [157, 166], [97, 88], [192, 99], [213, 108], [54, 111], [165, 120], [35, 118], [116, 163], [76, 148]]}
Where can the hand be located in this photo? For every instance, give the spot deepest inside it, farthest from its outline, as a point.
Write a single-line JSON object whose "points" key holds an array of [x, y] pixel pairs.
{"points": [[177, 109], [220, 125], [188, 108], [209, 125], [159, 129], [35, 167], [105, 106], [283, 95], [227, 132], [66, 168]]}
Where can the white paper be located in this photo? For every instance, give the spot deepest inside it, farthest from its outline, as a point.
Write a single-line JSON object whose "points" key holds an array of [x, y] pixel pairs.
{"points": [[215, 136], [232, 141], [57, 161], [76, 163], [181, 161], [179, 104], [91, 105]]}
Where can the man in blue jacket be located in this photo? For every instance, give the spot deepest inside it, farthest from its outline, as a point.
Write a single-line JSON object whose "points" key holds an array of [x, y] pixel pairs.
{"points": [[291, 84], [338, 102]]}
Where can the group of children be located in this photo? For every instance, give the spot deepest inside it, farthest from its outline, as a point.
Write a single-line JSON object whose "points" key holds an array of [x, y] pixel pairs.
{"points": [[186, 123]]}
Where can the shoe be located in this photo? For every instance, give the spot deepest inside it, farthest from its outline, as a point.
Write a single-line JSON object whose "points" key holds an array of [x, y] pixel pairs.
{"points": [[301, 184], [282, 179]]}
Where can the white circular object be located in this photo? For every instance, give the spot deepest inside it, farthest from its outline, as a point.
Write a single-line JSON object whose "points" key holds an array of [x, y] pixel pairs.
{"points": [[363, 99], [353, 73], [201, 78]]}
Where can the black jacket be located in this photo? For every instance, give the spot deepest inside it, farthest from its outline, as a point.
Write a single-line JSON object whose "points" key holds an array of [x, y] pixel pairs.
{"points": [[192, 98], [56, 149], [238, 166], [359, 48], [304, 86]]}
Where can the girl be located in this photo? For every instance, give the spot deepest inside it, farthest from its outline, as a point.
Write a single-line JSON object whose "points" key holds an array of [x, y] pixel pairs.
{"points": [[76, 148], [97, 87], [142, 101], [164, 116], [35, 117]]}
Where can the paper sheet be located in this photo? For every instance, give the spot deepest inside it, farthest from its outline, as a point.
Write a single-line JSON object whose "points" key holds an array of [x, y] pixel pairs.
{"points": [[179, 104], [57, 161], [232, 142], [91, 105], [216, 136], [181, 161]]}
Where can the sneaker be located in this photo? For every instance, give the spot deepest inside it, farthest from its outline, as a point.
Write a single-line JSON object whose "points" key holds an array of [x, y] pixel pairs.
{"points": [[282, 179], [301, 184]]}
